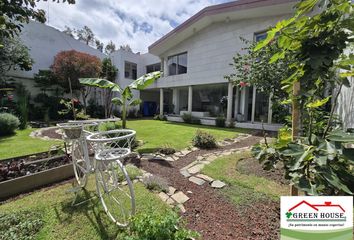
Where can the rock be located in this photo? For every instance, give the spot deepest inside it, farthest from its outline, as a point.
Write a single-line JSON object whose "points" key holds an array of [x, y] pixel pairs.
{"points": [[163, 196], [205, 177], [185, 152], [211, 158], [218, 184], [194, 149], [185, 173], [181, 207], [171, 190], [190, 165], [180, 197], [169, 159], [189, 192], [195, 169], [170, 201], [200, 158], [197, 181]]}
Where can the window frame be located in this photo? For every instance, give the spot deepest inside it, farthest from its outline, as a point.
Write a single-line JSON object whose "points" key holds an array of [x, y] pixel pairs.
{"points": [[131, 65], [153, 67], [177, 63]]}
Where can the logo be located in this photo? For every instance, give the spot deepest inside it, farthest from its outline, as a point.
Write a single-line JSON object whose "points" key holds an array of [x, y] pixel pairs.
{"points": [[316, 218]]}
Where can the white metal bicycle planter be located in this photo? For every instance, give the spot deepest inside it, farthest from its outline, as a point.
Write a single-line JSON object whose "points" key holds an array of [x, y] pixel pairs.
{"points": [[113, 185]]}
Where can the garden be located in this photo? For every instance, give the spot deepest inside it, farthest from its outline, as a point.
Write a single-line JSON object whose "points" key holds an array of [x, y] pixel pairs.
{"points": [[75, 168]]}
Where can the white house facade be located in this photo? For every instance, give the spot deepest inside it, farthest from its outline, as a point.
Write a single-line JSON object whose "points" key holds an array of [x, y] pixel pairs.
{"points": [[197, 55]]}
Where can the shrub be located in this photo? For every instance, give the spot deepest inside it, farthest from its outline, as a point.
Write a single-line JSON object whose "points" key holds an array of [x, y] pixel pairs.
{"points": [[8, 123], [132, 171], [187, 118], [160, 117], [167, 150], [220, 121], [20, 225], [154, 225], [195, 120], [107, 126], [204, 140], [155, 183]]}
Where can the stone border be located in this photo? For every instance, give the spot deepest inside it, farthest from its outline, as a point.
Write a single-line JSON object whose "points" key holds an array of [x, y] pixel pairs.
{"points": [[39, 133], [28, 183]]}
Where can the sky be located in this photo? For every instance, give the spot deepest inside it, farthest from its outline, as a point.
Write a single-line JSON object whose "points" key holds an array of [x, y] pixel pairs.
{"points": [[138, 23]]}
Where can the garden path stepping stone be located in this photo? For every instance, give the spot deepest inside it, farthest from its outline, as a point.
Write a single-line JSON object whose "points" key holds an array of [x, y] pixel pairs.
{"points": [[218, 184], [171, 190], [180, 197], [199, 158], [163, 196], [181, 207], [197, 181], [205, 177], [185, 173], [195, 169], [170, 201]]}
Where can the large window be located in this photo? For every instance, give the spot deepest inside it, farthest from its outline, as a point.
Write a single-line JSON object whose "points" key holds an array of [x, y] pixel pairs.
{"points": [[260, 36], [130, 70], [153, 67], [177, 64]]}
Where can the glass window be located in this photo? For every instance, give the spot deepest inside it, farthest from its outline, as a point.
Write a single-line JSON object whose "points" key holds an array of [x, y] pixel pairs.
{"points": [[130, 70], [153, 67], [260, 36], [177, 64]]}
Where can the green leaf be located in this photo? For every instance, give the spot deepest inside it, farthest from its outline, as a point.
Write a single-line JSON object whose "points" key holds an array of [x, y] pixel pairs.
{"points": [[100, 83], [135, 102], [318, 103], [117, 101], [340, 136], [334, 180], [145, 80]]}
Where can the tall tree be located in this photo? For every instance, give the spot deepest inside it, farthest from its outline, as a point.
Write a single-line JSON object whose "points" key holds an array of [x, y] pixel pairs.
{"points": [[13, 14], [126, 47], [86, 35], [69, 66], [110, 47], [99, 45]]}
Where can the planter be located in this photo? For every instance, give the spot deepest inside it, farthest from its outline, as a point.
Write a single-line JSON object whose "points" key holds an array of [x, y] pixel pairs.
{"points": [[27, 183], [174, 118]]}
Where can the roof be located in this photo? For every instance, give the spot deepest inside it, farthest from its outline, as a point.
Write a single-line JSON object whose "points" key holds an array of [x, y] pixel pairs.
{"points": [[224, 8], [316, 206]]}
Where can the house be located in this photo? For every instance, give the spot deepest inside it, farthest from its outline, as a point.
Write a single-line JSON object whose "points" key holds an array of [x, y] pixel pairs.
{"points": [[195, 58]]}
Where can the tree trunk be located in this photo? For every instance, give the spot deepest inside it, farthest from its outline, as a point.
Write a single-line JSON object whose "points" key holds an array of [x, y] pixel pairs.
{"points": [[124, 113], [83, 99], [72, 98], [295, 124]]}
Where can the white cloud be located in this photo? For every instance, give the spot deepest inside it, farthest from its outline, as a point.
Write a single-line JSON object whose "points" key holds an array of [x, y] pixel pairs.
{"points": [[137, 23]]}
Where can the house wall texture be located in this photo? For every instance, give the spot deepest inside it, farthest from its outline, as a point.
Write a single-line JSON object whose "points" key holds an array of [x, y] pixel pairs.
{"points": [[345, 107], [210, 51]]}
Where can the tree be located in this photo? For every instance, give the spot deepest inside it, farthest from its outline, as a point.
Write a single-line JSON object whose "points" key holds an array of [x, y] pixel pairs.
{"points": [[315, 160], [15, 13], [68, 31], [126, 96], [99, 45], [126, 47], [86, 35], [69, 66], [110, 47], [14, 56], [109, 72]]}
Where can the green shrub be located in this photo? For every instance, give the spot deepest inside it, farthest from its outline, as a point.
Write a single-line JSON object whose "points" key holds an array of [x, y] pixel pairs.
{"points": [[155, 183], [187, 118], [107, 126], [132, 171], [157, 226], [204, 140], [20, 225], [220, 121], [8, 123], [167, 150]]}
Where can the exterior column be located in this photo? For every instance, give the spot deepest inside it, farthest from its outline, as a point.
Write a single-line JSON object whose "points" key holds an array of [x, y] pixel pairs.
{"points": [[270, 110], [229, 102], [236, 102], [253, 103], [190, 97], [175, 100], [161, 101]]}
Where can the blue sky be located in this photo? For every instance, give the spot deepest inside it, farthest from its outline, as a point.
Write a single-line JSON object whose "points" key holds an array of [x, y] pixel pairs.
{"points": [[135, 22]]}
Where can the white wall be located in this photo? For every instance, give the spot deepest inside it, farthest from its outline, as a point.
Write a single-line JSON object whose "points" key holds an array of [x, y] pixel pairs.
{"points": [[345, 107], [210, 51]]}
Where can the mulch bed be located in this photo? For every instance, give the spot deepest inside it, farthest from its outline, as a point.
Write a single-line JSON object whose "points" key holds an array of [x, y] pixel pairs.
{"points": [[51, 133], [209, 212], [251, 166]]}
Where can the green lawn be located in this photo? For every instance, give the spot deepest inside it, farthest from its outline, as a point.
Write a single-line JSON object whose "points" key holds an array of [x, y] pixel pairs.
{"points": [[22, 144], [156, 134], [87, 221], [243, 188]]}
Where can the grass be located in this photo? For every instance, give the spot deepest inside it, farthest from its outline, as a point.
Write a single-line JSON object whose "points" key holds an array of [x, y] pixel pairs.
{"points": [[87, 221], [22, 144], [243, 189], [156, 134]]}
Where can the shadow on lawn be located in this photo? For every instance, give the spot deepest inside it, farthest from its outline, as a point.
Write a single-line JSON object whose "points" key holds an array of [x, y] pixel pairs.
{"points": [[90, 209]]}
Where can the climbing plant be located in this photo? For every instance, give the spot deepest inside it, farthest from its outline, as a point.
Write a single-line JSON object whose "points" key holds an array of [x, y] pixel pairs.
{"points": [[318, 36]]}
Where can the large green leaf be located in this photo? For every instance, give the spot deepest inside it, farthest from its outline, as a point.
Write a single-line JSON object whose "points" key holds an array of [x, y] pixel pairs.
{"points": [[117, 101], [145, 80], [318, 103], [333, 179], [340, 136], [135, 102], [100, 83]]}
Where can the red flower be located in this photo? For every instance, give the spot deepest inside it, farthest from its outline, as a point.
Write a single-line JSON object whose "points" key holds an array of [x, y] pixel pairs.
{"points": [[243, 84]]}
